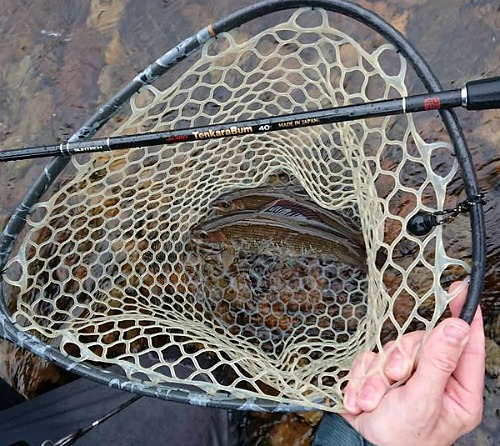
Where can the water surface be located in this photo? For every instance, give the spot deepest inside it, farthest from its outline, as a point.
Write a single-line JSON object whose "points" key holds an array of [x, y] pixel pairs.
{"points": [[56, 69]]}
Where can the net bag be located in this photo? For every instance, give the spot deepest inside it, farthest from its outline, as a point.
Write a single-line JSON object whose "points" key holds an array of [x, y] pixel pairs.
{"points": [[108, 271]]}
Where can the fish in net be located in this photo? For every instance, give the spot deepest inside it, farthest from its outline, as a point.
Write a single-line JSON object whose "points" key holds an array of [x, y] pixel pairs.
{"points": [[112, 269]]}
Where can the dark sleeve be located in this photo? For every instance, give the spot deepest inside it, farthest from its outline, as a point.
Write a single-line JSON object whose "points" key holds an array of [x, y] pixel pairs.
{"points": [[8, 396], [334, 430]]}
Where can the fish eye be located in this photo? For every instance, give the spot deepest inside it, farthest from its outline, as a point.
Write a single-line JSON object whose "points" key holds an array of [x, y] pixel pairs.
{"points": [[203, 235]]}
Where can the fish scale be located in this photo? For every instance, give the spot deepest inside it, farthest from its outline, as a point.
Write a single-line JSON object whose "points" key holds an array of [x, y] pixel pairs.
{"points": [[261, 231]]}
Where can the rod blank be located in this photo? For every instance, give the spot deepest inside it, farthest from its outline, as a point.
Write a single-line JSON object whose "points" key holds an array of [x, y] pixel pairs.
{"points": [[476, 95]]}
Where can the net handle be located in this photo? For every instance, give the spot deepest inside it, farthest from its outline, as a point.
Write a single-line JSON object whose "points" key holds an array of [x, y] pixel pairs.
{"points": [[13, 228]]}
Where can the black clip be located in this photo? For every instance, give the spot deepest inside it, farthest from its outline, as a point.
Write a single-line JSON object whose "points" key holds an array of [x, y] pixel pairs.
{"points": [[423, 222]]}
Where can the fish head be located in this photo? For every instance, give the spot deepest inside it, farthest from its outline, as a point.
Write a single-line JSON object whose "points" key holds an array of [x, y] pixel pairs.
{"points": [[214, 240], [226, 205], [213, 246]]}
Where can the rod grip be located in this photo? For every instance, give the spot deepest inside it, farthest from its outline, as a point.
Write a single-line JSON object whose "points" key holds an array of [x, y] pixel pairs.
{"points": [[483, 94]]}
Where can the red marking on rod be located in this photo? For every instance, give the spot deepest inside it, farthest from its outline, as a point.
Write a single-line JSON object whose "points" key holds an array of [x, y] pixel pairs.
{"points": [[432, 103], [177, 138]]}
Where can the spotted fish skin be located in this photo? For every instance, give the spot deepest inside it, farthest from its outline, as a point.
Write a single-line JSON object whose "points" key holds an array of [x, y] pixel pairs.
{"points": [[289, 202], [255, 198], [260, 230]]}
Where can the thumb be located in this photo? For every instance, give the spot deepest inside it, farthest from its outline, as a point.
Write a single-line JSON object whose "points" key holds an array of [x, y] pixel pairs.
{"points": [[459, 291], [438, 359]]}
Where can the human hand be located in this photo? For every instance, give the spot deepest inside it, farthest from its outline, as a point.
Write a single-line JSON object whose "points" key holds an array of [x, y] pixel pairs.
{"points": [[443, 398]]}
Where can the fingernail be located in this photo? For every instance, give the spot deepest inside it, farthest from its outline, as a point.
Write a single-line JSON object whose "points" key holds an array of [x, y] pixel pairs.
{"points": [[456, 332], [395, 362], [367, 394], [350, 402]]}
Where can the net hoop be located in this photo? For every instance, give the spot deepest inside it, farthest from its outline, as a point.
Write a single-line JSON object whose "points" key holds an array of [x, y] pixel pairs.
{"points": [[14, 227]]}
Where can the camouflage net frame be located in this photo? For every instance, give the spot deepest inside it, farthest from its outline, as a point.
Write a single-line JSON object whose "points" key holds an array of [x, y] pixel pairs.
{"points": [[105, 273]]}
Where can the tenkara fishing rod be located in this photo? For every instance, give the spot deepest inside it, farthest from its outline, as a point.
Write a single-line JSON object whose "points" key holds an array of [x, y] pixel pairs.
{"points": [[475, 95], [75, 436]]}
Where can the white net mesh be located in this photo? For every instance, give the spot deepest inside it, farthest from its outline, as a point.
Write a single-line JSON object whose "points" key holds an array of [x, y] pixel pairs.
{"points": [[111, 271]]}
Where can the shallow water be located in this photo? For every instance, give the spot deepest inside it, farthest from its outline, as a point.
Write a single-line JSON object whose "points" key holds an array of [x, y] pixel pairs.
{"points": [[57, 68]]}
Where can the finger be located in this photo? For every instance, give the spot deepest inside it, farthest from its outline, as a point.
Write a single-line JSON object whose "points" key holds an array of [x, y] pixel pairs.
{"points": [[373, 374], [469, 372], [470, 369], [438, 359], [356, 377], [394, 364], [401, 356], [460, 289], [372, 391]]}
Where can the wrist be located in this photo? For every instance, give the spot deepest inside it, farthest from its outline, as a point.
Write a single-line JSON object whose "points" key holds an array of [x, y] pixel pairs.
{"points": [[335, 429], [365, 432]]}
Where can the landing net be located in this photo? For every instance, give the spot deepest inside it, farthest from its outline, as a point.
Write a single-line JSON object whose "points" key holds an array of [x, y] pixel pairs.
{"points": [[108, 272]]}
